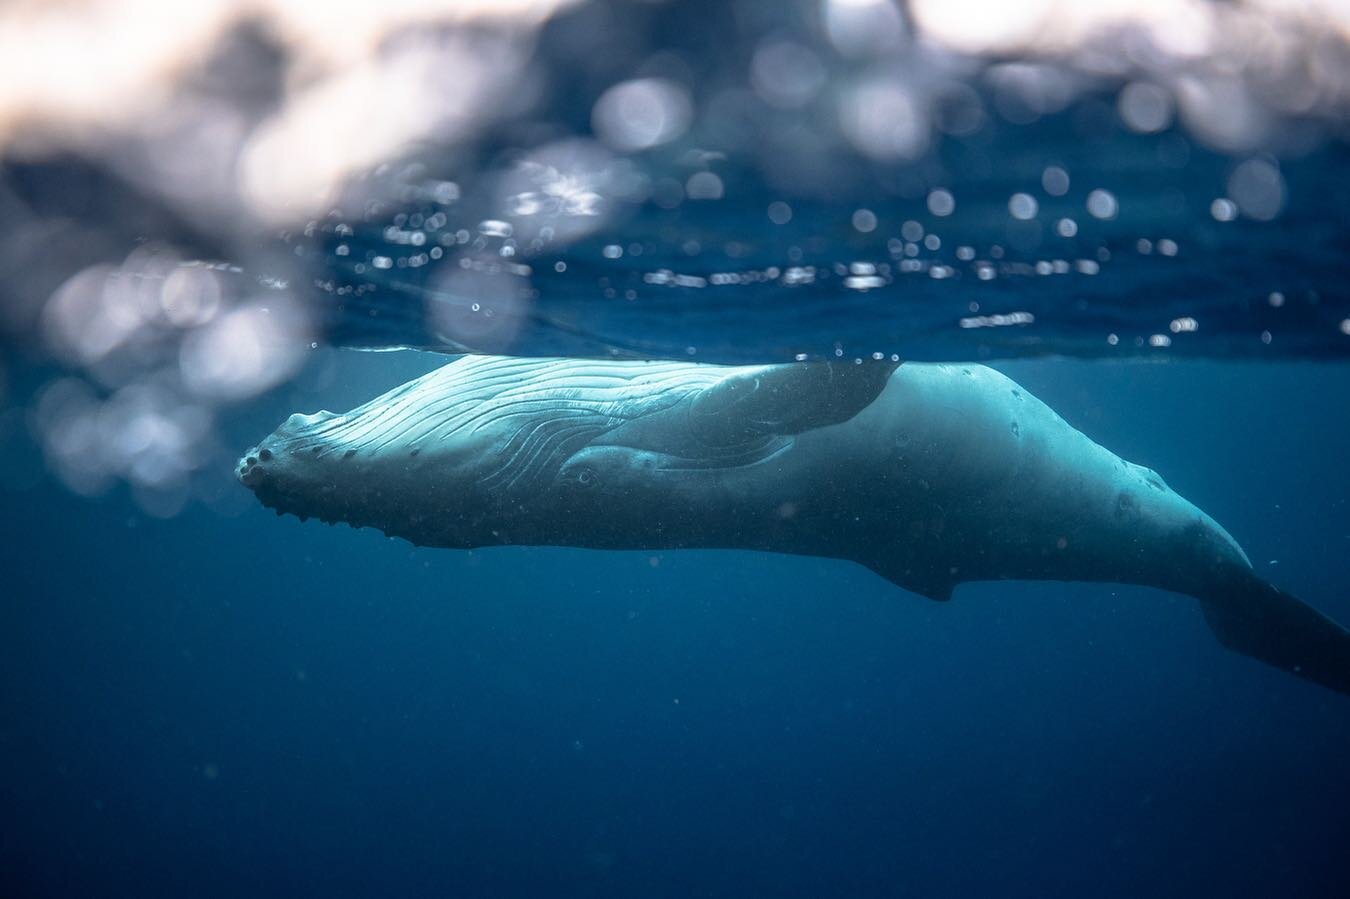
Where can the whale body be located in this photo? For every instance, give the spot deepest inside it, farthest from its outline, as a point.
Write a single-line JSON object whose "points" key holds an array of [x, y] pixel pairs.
{"points": [[930, 475]]}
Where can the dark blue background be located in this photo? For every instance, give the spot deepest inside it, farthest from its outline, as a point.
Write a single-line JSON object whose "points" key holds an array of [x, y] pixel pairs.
{"points": [[246, 705]]}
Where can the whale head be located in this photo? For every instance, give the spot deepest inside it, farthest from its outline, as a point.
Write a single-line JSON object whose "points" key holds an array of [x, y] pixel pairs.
{"points": [[355, 469], [387, 464], [298, 468]]}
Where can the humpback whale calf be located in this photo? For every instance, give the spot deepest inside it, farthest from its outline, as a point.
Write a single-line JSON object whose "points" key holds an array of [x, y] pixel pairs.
{"points": [[930, 475]]}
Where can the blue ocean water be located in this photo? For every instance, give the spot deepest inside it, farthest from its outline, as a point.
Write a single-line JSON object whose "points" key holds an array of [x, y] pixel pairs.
{"points": [[1131, 255], [229, 703]]}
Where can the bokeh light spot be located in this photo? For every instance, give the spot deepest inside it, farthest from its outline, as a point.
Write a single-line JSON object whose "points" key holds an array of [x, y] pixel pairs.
{"points": [[941, 202], [1102, 204], [1022, 207], [642, 113]]}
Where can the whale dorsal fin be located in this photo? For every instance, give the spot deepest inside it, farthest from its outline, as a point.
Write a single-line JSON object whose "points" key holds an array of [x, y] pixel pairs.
{"points": [[785, 399]]}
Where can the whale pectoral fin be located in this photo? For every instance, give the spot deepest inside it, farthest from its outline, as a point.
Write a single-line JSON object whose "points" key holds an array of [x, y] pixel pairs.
{"points": [[923, 583], [1259, 620], [785, 399]]}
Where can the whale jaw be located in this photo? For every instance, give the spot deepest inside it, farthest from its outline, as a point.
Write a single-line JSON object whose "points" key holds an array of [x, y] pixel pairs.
{"points": [[256, 471], [293, 471]]}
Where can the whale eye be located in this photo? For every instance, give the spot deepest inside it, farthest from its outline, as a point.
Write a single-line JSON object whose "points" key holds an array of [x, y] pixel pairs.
{"points": [[584, 476]]}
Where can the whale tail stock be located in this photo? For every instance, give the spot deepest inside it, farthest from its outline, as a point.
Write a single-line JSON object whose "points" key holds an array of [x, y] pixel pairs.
{"points": [[1259, 620]]}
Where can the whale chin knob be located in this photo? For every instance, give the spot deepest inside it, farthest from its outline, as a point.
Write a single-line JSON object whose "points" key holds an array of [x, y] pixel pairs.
{"points": [[250, 470]]}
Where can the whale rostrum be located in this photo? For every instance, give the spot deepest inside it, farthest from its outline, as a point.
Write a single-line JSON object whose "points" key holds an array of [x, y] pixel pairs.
{"points": [[930, 475]]}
